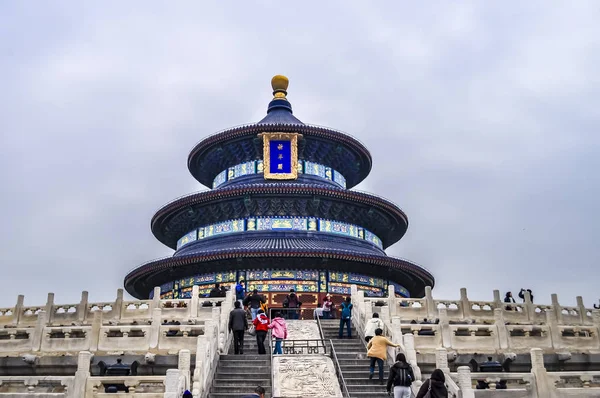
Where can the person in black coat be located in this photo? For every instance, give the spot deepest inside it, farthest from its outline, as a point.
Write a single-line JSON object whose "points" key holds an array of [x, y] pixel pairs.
{"points": [[238, 324], [509, 299], [259, 392], [401, 377], [435, 385], [522, 294]]}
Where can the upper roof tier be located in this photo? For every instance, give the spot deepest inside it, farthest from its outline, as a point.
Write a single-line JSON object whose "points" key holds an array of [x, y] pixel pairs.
{"points": [[321, 145]]}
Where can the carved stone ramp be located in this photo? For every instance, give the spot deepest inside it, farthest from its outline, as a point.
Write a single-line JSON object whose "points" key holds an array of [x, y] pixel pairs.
{"points": [[305, 376], [354, 364]]}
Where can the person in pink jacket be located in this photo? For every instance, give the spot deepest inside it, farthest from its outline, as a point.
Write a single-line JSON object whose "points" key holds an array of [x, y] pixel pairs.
{"points": [[279, 332]]}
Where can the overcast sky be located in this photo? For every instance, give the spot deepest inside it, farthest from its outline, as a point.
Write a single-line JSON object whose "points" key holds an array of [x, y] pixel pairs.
{"points": [[482, 119]]}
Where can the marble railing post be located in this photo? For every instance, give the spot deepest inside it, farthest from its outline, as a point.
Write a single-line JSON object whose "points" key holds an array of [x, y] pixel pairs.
{"points": [[555, 333], [95, 332], [50, 308], [501, 328], [18, 310], [184, 364], [411, 355], [543, 384], [194, 302], [392, 302], [118, 306], [464, 382], [173, 387], [156, 297], [81, 375], [444, 328], [38, 332], [441, 359], [155, 327], [429, 304], [465, 304], [497, 299], [82, 307], [529, 307], [556, 308], [199, 378], [581, 308], [596, 320]]}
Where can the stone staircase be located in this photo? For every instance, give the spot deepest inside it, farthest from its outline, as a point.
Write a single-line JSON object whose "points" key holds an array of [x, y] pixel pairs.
{"points": [[238, 375], [352, 356]]}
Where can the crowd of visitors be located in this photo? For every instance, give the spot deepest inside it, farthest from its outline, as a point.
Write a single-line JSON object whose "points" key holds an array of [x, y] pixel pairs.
{"points": [[509, 299]]}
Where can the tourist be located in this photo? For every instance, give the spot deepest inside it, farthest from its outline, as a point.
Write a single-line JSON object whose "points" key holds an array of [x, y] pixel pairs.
{"points": [[327, 307], [238, 324], [261, 326], [522, 294], [187, 394], [223, 291], [508, 298], [346, 318], [597, 306], [258, 392], [377, 352], [215, 292], [292, 301], [401, 377], [253, 301], [372, 325], [435, 386], [279, 332], [239, 291]]}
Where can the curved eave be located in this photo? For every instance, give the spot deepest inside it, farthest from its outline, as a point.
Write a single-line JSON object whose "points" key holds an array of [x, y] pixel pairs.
{"points": [[163, 215], [250, 131], [381, 266]]}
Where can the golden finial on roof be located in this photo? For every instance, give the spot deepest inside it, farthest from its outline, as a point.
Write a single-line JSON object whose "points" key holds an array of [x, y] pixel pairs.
{"points": [[280, 85]]}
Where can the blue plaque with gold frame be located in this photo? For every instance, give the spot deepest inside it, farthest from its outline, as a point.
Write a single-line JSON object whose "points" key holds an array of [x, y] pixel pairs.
{"points": [[280, 155]]}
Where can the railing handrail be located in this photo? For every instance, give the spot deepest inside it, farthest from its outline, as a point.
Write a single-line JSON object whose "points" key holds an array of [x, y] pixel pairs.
{"points": [[338, 369], [321, 333]]}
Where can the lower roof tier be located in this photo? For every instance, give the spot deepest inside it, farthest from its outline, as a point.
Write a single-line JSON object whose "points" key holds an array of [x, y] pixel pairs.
{"points": [[381, 217], [281, 254]]}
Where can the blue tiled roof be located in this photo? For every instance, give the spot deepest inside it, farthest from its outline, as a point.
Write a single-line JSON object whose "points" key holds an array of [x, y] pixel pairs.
{"points": [[279, 112], [230, 243]]}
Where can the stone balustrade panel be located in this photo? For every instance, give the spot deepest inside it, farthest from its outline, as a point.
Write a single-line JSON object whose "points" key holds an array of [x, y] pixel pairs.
{"points": [[29, 316], [66, 339], [175, 338], [139, 386], [426, 336], [409, 309], [15, 340], [577, 338], [108, 310], [42, 386], [522, 337], [136, 310], [474, 338], [124, 338], [454, 308], [63, 315], [481, 310]]}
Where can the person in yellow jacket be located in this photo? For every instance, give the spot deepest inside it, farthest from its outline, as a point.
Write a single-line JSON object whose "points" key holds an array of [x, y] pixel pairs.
{"points": [[377, 351]]}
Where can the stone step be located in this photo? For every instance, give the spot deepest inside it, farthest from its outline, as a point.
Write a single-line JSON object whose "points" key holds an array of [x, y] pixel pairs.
{"points": [[243, 364], [358, 367], [364, 363], [235, 388], [245, 357], [230, 395], [255, 381], [360, 394], [373, 386], [231, 373], [363, 378]]}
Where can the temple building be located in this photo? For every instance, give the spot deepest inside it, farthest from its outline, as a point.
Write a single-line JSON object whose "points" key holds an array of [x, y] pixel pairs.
{"points": [[280, 215]]}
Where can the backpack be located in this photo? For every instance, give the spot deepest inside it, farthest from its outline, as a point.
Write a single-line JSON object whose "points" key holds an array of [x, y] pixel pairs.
{"points": [[403, 377]]}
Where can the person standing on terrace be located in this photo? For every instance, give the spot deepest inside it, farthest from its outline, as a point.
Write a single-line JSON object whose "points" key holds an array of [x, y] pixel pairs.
{"points": [[346, 317], [509, 299]]}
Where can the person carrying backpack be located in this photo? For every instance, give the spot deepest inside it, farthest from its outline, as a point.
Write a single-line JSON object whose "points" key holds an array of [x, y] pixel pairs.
{"points": [[434, 387], [346, 317], [401, 377], [239, 292]]}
